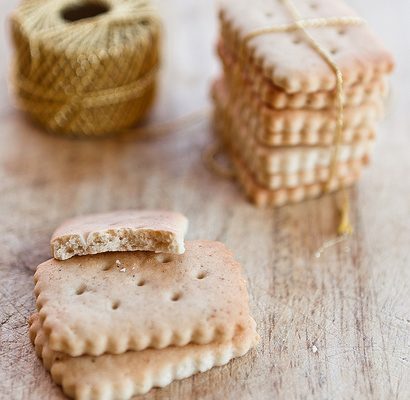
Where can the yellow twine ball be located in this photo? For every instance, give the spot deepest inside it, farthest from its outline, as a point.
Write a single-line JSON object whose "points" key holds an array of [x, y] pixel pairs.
{"points": [[85, 67]]}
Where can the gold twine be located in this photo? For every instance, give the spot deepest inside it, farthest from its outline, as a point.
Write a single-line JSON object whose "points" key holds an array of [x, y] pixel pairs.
{"points": [[85, 67], [301, 24], [158, 129]]}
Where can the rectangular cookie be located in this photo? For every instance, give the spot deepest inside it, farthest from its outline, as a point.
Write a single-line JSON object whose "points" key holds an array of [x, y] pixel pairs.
{"points": [[282, 160], [130, 230], [287, 159], [291, 159], [249, 77], [262, 134], [312, 138], [264, 197], [287, 59], [299, 120], [114, 302], [299, 168], [306, 177], [133, 373]]}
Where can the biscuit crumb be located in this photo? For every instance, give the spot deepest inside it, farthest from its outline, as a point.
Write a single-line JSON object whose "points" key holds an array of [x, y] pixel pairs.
{"points": [[122, 270], [118, 263]]}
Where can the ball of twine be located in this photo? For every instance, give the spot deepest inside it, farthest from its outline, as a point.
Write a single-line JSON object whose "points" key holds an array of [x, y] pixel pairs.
{"points": [[85, 67]]}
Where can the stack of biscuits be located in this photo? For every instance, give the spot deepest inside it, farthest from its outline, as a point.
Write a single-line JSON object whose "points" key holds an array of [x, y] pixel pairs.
{"points": [[276, 103], [125, 305]]}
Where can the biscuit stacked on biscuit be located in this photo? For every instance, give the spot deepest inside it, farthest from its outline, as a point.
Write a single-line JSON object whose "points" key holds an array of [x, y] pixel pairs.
{"points": [[114, 324], [276, 103]]}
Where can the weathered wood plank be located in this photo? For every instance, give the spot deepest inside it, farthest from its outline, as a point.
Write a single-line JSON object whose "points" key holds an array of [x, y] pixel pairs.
{"points": [[335, 327]]}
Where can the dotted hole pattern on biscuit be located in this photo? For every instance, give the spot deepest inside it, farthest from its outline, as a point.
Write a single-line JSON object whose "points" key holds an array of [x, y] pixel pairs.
{"points": [[81, 289], [239, 328], [163, 258], [141, 282], [115, 305], [107, 267], [201, 275], [176, 296]]}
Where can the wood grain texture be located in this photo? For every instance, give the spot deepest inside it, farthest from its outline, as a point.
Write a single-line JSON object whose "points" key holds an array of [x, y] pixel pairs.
{"points": [[337, 327]]}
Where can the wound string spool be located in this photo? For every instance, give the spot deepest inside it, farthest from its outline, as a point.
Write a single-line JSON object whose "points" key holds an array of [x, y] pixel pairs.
{"points": [[85, 67]]}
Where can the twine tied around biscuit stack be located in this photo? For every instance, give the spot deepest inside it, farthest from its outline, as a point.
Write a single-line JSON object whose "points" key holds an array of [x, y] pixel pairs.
{"points": [[296, 106], [85, 67]]}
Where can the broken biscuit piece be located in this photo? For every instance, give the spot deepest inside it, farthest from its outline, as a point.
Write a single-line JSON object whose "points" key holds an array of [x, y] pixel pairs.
{"points": [[132, 230]]}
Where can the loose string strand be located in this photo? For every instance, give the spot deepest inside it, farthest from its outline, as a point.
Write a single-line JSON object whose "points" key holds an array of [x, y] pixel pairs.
{"points": [[345, 226], [159, 129], [306, 23]]}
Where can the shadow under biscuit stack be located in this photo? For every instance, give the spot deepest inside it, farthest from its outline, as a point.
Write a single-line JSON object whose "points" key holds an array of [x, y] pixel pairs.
{"points": [[276, 106]]}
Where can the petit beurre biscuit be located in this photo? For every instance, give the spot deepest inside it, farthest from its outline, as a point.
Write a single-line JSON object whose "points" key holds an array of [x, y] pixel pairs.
{"points": [[130, 230], [256, 130], [115, 324], [264, 197], [302, 88], [297, 176], [250, 78], [125, 375], [306, 177], [289, 61], [286, 159], [114, 302], [297, 120]]}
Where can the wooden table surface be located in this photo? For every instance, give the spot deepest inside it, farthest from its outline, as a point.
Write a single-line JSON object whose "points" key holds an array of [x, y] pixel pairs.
{"points": [[337, 327]]}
